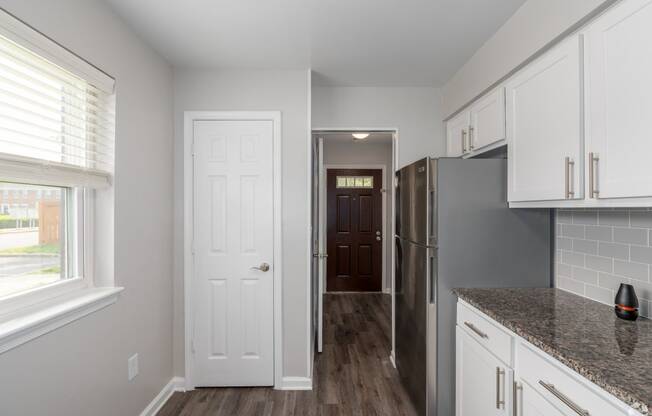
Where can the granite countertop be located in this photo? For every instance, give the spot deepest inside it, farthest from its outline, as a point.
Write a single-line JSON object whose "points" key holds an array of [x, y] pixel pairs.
{"points": [[583, 334]]}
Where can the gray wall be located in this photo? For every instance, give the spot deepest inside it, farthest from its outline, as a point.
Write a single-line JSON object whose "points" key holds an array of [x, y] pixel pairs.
{"points": [[81, 368], [287, 91], [414, 111], [369, 153], [596, 250], [533, 25]]}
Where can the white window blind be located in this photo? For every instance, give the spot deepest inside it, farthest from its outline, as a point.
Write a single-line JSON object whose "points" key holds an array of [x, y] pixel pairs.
{"points": [[56, 127]]}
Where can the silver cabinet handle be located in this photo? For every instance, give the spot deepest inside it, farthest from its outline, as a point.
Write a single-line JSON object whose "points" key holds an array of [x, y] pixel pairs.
{"points": [[570, 178], [264, 267], [517, 388], [564, 399], [476, 330], [500, 402], [471, 130], [593, 162], [463, 141]]}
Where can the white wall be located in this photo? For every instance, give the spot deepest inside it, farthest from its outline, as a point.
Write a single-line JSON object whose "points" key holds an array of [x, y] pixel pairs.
{"points": [[287, 91], [81, 368], [534, 25], [368, 153], [414, 111]]}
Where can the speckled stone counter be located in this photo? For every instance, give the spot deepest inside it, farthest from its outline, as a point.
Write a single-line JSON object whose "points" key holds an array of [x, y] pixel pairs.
{"points": [[583, 334]]}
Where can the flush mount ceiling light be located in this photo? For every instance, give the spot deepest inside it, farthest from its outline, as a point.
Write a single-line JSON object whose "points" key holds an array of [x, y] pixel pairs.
{"points": [[360, 136]]}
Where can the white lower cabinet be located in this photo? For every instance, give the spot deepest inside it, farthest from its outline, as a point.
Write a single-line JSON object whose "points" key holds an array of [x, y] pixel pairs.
{"points": [[525, 382], [528, 402], [483, 381]]}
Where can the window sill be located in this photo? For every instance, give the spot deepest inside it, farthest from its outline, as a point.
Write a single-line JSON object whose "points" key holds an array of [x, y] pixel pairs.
{"points": [[27, 324]]}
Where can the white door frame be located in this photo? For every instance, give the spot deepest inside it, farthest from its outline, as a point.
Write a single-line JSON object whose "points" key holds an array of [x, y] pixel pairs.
{"points": [[395, 168], [324, 189], [189, 118]]}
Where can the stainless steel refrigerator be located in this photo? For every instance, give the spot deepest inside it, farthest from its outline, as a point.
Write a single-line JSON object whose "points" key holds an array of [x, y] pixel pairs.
{"points": [[454, 229]]}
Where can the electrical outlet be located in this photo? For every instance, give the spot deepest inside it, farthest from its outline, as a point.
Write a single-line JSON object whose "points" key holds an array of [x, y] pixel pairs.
{"points": [[132, 366]]}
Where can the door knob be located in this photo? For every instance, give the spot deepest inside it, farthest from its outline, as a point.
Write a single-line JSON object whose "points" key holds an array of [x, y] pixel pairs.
{"points": [[263, 267], [377, 232]]}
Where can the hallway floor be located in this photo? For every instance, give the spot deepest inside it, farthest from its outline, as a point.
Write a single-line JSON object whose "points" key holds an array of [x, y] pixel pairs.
{"points": [[353, 375]]}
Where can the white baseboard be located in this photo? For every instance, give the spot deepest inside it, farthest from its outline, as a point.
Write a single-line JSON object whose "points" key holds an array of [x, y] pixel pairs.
{"points": [[176, 384], [295, 383]]}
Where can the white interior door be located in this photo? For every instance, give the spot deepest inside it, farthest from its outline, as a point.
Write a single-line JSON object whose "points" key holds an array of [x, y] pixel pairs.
{"points": [[233, 281]]}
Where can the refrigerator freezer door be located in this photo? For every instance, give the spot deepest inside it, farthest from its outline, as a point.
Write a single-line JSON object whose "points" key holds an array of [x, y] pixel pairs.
{"points": [[412, 302], [412, 202]]}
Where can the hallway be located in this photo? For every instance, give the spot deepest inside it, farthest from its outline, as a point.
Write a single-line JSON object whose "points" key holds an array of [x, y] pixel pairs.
{"points": [[353, 376]]}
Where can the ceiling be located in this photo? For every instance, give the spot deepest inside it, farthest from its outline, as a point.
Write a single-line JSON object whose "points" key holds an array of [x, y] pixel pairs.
{"points": [[374, 138], [345, 42]]}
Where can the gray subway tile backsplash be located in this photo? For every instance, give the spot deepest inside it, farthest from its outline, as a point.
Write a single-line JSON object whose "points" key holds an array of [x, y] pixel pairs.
{"points": [[585, 217], [585, 246], [630, 235], [573, 231], [598, 249], [641, 254], [600, 233], [638, 271], [641, 219], [617, 218]]}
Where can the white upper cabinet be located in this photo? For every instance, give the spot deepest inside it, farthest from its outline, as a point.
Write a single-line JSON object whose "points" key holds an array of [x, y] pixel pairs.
{"points": [[487, 120], [457, 135], [544, 126], [619, 102]]}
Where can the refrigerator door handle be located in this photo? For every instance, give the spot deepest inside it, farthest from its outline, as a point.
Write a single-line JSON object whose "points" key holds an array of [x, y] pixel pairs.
{"points": [[432, 278]]}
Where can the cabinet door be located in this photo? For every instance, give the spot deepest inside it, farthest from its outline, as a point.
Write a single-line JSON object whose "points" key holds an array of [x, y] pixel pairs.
{"points": [[544, 116], [457, 131], [530, 403], [481, 380], [619, 100], [487, 120]]}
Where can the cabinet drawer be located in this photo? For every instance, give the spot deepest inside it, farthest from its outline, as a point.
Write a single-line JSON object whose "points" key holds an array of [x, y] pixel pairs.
{"points": [[556, 384], [488, 333]]}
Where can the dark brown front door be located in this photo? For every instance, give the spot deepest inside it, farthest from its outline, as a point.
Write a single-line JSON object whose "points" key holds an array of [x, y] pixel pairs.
{"points": [[354, 215]]}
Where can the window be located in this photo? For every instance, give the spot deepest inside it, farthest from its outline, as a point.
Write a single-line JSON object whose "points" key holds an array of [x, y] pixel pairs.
{"points": [[40, 241], [57, 127], [355, 182]]}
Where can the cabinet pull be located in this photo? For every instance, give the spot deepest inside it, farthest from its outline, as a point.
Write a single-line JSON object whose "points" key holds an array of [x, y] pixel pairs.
{"points": [[594, 192], [476, 330], [471, 130], [569, 178], [500, 402], [517, 388], [564, 399], [463, 141]]}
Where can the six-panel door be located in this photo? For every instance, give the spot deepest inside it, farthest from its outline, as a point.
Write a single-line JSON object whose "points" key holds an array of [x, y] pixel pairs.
{"points": [[544, 132], [233, 287], [619, 101]]}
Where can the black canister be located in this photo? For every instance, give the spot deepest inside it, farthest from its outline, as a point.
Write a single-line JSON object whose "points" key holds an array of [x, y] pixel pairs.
{"points": [[626, 303]]}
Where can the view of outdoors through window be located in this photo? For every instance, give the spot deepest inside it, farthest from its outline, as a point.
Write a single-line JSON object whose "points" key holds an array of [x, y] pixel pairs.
{"points": [[30, 236]]}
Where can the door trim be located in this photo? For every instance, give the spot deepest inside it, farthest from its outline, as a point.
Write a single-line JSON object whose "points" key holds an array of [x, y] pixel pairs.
{"points": [[395, 167], [323, 188], [189, 118]]}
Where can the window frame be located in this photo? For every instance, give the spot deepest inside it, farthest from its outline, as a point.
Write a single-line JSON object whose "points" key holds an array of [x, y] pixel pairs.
{"points": [[32, 313]]}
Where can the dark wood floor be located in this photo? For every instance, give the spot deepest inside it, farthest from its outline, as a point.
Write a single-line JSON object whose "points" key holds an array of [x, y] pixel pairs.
{"points": [[353, 375]]}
